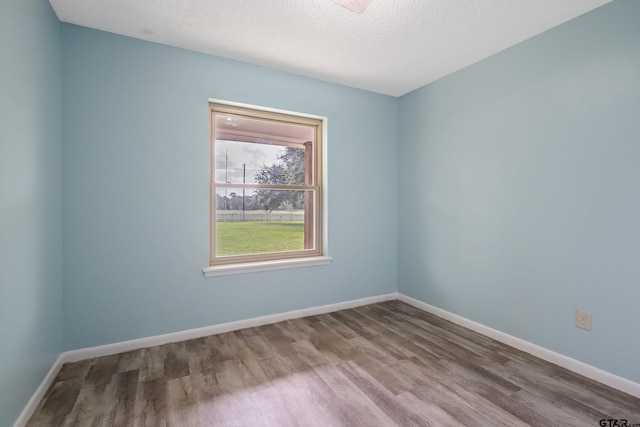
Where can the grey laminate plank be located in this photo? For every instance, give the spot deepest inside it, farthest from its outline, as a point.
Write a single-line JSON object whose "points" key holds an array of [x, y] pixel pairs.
{"points": [[431, 413], [71, 371], [312, 356], [220, 347], [151, 403], [535, 411], [182, 400], [374, 351], [89, 408], [129, 361], [152, 363], [237, 344], [328, 341], [274, 335], [356, 322], [58, 405], [288, 361], [292, 330], [433, 391], [287, 395], [238, 408], [318, 404], [381, 397], [427, 321], [206, 390], [120, 411], [571, 395], [338, 327], [451, 393], [605, 399], [459, 344], [176, 364], [199, 357], [449, 341], [361, 409]]}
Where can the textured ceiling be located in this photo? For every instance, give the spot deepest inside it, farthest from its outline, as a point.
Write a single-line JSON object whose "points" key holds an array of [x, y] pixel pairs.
{"points": [[392, 47]]}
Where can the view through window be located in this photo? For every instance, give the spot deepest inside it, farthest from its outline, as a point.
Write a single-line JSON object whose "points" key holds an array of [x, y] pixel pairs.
{"points": [[265, 185]]}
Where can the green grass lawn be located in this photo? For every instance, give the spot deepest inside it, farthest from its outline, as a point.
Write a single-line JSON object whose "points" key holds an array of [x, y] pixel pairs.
{"points": [[241, 238]]}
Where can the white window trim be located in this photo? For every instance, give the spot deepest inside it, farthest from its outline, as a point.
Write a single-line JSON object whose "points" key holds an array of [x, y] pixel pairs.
{"points": [[254, 267]]}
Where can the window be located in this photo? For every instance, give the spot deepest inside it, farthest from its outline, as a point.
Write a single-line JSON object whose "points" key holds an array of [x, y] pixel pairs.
{"points": [[266, 185]]}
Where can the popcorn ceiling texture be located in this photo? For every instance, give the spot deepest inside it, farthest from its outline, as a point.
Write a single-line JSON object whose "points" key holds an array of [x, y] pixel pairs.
{"points": [[393, 47]]}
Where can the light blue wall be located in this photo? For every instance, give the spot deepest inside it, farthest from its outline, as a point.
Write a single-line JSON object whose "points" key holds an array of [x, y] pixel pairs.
{"points": [[519, 184], [30, 200], [136, 192]]}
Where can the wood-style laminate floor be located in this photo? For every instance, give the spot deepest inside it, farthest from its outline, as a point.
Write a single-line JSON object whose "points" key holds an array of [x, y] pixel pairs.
{"points": [[380, 365]]}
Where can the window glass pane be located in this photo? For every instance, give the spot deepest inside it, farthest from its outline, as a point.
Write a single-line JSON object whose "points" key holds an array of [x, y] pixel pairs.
{"points": [[263, 221], [239, 162], [250, 150]]}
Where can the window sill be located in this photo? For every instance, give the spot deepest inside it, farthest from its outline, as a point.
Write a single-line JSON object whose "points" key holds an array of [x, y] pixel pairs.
{"points": [[254, 267]]}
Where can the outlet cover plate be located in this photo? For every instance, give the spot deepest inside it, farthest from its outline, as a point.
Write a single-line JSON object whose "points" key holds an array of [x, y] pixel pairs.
{"points": [[583, 319]]}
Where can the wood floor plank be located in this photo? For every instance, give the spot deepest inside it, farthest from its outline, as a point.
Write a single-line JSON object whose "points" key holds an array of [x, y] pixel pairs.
{"points": [[356, 322], [273, 409], [319, 405], [382, 397], [571, 396], [129, 361], [176, 364], [152, 363], [238, 406], [199, 357], [338, 327], [435, 393], [182, 407], [535, 411], [292, 330], [384, 364], [432, 414], [71, 371], [285, 362], [360, 406], [451, 394], [153, 407], [91, 402], [328, 341], [59, 404], [312, 356], [120, 412]]}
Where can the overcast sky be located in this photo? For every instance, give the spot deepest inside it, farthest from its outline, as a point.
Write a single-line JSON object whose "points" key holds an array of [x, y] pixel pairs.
{"points": [[253, 155]]}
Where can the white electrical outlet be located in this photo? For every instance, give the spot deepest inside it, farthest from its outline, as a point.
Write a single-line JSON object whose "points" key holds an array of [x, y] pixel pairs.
{"points": [[583, 319]]}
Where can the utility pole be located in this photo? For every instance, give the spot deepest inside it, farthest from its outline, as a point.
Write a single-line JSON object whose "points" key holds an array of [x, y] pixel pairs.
{"points": [[226, 180], [244, 175]]}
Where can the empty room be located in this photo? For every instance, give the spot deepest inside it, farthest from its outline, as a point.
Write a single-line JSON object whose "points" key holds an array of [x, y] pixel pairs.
{"points": [[319, 213]]}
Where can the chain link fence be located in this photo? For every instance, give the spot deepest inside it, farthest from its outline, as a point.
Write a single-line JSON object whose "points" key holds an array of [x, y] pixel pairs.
{"points": [[273, 216]]}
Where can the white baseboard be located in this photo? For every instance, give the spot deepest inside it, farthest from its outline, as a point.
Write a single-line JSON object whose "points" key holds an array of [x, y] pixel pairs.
{"points": [[33, 403], [123, 346], [561, 360]]}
